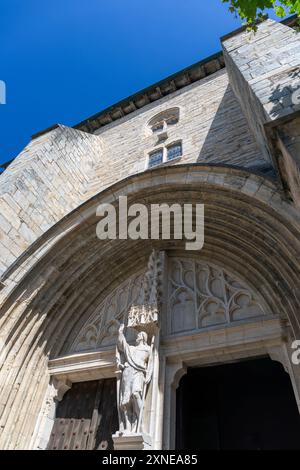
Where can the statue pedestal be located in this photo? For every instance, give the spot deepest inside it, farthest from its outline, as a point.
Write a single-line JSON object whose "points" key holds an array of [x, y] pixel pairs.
{"points": [[138, 441]]}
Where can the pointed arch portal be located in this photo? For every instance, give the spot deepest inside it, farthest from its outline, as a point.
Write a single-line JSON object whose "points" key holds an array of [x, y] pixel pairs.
{"points": [[63, 282]]}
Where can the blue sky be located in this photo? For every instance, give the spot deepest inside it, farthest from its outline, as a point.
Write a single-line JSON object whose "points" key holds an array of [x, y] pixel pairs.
{"points": [[64, 60]]}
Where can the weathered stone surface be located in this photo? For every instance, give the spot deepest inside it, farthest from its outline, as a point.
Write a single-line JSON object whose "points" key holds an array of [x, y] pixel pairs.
{"points": [[62, 290], [264, 71], [211, 127]]}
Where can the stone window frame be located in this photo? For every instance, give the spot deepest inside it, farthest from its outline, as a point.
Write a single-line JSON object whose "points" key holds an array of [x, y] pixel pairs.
{"points": [[164, 149], [154, 152], [171, 145], [160, 122]]}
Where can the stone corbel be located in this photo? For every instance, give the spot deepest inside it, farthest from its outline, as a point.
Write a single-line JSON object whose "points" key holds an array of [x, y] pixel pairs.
{"points": [[180, 372], [61, 386], [287, 332], [174, 373], [283, 354], [277, 354]]}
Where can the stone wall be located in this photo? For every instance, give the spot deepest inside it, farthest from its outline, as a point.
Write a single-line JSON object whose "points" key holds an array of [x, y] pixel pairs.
{"points": [[264, 71], [250, 229], [62, 168], [287, 141], [211, 126], [61, 273], [44, 183]]}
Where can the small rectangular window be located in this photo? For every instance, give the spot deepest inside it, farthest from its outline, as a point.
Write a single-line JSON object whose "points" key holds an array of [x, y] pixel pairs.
{"points": [[174, 151], [155, 158]]}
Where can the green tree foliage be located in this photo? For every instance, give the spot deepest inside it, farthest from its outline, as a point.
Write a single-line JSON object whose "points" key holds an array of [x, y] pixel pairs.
{"points": [[251, 11]]}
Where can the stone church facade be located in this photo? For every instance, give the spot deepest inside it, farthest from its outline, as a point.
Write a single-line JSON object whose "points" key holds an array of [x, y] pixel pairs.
{"points": [[224, 132]]}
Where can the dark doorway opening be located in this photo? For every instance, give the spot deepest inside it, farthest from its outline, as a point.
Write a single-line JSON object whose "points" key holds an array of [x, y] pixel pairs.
{"points": [[244, 405]]}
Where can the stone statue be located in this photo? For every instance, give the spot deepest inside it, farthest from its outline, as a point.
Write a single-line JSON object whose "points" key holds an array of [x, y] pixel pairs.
{"points": [[135, 365]]}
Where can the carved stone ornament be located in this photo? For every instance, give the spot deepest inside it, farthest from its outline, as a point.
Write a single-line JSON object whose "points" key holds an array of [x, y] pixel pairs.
{"points": [[101, 329], [144, 315], [139, 295], [143, 318], [202, 295]]}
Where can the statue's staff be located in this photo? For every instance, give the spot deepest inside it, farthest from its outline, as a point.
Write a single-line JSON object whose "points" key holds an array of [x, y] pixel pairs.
{"points": [[118, 372], [146, 381]]}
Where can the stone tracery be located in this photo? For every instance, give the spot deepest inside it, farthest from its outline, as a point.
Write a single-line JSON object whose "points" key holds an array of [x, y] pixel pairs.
{"points": [[201, 295], [102, 328]]}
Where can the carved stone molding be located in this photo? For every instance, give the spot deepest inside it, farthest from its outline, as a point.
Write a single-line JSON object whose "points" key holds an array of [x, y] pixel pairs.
{"points": [[179, 372], [283, 354], [143, 317], [145, 314], [153, 279], [277, 354]]}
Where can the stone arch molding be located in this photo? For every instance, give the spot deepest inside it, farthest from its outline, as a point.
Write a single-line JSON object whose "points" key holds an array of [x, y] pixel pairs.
{"points": [[48, 292], [199, 295]]}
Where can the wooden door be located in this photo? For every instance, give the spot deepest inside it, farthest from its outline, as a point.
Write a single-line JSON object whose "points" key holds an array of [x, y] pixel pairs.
{"points": [[87, 417]]}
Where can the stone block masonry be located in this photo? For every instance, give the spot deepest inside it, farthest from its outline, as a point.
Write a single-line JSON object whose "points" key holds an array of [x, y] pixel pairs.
{"points": [[42, 185], [62, 168], [211, 126], [264, 71]]}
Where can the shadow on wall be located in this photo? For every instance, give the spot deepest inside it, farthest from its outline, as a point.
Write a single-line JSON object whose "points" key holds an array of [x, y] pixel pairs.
{"points": [[230, 141], [285, 97]]}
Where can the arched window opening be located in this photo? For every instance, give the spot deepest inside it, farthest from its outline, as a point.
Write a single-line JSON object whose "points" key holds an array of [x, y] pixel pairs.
{"points": [[163, 120]]}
